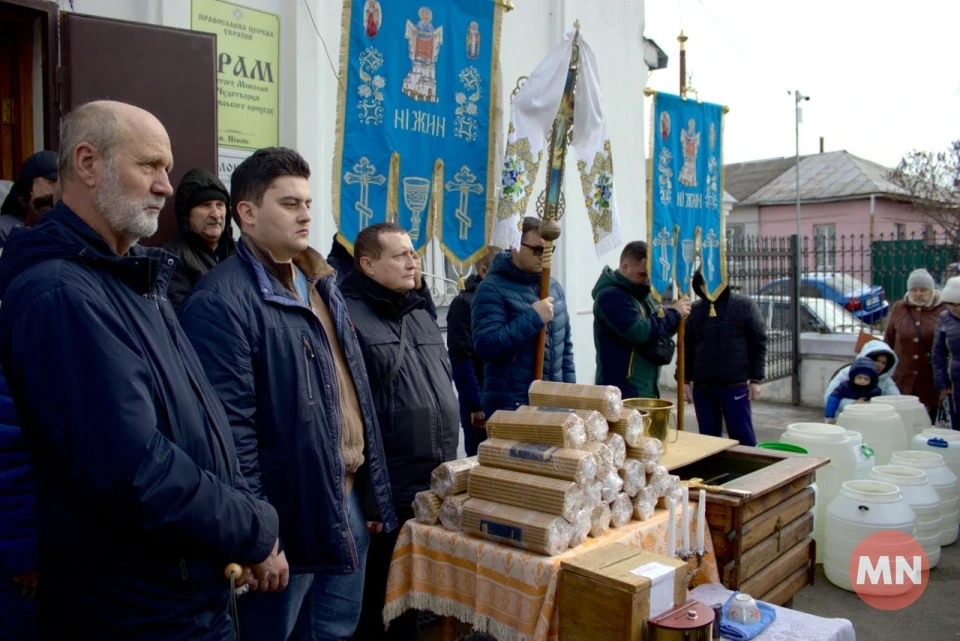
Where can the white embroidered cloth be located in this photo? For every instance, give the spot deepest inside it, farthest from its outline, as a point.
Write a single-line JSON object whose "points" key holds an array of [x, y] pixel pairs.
{"points": [[532, 113], [789, 625]]}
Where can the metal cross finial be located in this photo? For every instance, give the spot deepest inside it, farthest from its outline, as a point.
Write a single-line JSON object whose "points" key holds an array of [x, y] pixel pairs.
{"points": [[366, 175]]}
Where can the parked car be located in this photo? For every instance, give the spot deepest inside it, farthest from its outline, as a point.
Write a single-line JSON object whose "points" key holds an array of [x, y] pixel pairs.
{"points": [[866, 302], [816, 315]]}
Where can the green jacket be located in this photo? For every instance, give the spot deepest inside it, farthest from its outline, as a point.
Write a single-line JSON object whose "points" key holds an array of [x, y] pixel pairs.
{"points": [[625, 319]]}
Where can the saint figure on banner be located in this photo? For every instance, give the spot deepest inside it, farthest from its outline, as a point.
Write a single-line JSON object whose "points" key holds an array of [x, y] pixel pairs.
{"points": [[473, 40], [690, 141], [372, 17], [424, 42]]}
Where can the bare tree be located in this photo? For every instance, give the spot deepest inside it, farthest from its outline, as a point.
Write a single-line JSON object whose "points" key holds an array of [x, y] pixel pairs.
{"points": [[932, 182]]}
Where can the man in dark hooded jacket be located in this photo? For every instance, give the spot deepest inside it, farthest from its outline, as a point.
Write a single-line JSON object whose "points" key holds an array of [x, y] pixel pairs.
{"points": [[725, 359], [626, 326], [205, 237], [32, 191]]}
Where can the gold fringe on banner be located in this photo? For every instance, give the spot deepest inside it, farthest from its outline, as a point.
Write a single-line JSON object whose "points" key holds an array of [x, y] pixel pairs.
{"points": [[436, 205], [341, 119], [393, 189]]}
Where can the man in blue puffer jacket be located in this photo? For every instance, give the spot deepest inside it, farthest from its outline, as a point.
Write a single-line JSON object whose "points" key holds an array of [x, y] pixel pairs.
{"points": [[507, 315], [18, 528]]}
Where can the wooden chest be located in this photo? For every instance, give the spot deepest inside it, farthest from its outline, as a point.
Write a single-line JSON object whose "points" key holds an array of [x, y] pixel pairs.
{"points": [[762, 530], [601, 598]]}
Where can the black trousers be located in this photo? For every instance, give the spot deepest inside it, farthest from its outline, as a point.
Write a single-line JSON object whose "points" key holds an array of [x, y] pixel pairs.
{"points": [[371, 628]]}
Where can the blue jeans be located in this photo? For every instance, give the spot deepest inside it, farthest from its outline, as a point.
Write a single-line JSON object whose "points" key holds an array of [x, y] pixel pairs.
{"points": [[472, 436], [314, 607], [731, 405]]}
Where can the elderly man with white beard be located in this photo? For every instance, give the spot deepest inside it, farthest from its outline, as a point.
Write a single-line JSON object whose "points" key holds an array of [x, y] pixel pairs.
{"points": [[140, 499]]}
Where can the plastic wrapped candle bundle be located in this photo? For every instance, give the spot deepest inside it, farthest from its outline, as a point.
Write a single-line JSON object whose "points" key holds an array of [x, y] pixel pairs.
{"points": [[618, 448], [600, 520], [606, 399], [426, 507], [648, 450], [580, 529], [660, 480], [593, 493], [621, 510], [528, 529], [645, 504], [604, 457], [451, 512], [552, 496], [593, 421], [629, 426], [612, 485], [634, 478], [451, 477], [579, 466], [546, 428]]}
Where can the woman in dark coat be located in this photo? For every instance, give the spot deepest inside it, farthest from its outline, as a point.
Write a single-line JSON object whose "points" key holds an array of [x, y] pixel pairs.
{"points": [[910, 332], [946, 343]]}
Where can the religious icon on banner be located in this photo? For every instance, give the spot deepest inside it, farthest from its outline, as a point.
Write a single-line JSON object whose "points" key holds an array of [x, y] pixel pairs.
{"points": [[664, 125], [473, 41], [372, 17], [424, 43], [415, 122], [690, 139], [685, 209]]}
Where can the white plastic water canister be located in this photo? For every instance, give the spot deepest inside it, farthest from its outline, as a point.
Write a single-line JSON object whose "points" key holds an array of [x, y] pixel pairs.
{"points": [[912, 412], [833, 442], [922, 499], [880, 426], [946, 443], [859, 510], [866, 457], [944, 481]]}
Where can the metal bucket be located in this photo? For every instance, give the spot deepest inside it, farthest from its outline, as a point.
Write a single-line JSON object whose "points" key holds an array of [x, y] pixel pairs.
{"points": [[660, 413]]}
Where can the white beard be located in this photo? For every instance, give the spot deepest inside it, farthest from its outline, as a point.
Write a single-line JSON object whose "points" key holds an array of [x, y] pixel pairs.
{"points": [[127, 218]]}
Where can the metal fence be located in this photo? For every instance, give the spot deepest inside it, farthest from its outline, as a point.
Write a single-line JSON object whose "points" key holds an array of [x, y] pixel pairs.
{"points": [[847, 284]]}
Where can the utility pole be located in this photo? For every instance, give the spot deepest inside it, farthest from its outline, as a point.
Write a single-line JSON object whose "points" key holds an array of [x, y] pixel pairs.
{"points": [[797, 248]]}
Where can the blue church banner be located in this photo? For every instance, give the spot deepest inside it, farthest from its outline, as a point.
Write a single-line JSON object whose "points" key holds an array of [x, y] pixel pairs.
{"points": [[685, 211], [415, 129]]}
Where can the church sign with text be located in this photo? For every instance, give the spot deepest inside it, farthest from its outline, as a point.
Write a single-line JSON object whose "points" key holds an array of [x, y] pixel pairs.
{"points": [[248, 72]]}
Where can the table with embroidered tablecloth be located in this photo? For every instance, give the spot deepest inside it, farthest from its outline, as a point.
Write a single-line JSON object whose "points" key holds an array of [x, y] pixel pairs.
{"points": [[506, 592]]}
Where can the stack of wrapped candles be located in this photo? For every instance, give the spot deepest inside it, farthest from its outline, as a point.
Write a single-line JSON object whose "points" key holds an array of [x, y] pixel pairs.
{"points": [[572, 464]]}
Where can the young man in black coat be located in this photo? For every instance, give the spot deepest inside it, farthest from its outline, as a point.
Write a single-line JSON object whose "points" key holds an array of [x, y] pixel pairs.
{"points": [[725, 362], [467, 365]]}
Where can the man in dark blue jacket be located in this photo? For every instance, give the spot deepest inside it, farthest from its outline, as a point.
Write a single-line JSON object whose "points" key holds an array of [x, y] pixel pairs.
{"points": [[466, 365], [140, 500], [507, 316], [278, 345]]}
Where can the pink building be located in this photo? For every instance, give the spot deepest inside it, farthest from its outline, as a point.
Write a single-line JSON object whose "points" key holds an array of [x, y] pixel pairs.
{"points": [[844, 200]]}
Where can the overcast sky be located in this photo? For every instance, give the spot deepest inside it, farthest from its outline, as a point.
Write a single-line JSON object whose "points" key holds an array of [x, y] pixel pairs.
{"points": [[883, 76]]}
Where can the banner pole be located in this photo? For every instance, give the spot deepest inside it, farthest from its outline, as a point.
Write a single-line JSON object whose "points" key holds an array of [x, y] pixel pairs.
{"points": [[682, 330], [552, 203]]}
